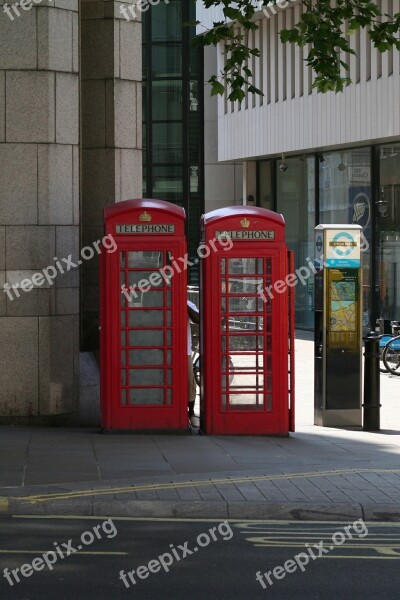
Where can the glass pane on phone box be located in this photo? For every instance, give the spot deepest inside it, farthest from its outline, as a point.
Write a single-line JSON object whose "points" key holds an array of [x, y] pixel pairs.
{"points": [[248, 381], [146, 318], [146, 357], [236, 285], [241, 401], [243, 304], [252, 284], [252, 265], [153, 298], [143, 259], [223, 267], [145, 278], [249, 362], [146, 396], [245, 342], [146, 337], [146, 377], [236, 265]]}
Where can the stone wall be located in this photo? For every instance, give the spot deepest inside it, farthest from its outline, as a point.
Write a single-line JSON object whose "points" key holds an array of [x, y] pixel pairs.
{"points": [[39, 210], [111, 132]]}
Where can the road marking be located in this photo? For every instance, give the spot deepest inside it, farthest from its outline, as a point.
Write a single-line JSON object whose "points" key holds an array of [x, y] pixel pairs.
{"points": [[3, 504], [361, 557], [237, 522], [46, 552], [189, 484]]}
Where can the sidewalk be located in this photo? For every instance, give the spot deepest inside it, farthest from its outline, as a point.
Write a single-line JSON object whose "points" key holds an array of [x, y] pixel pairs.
{"points": [[316, 473]]}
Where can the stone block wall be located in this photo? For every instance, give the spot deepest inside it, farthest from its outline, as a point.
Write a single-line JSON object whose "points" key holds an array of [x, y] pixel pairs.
{"points": [[39, 210], [111, 132]]}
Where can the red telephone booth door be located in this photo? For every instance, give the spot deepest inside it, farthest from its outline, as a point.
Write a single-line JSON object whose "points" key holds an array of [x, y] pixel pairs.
{"points": [[144, 318], [245, 328]]}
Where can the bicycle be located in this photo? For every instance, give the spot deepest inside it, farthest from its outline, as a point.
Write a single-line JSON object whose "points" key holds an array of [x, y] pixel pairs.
{"points": [[196, 357], [383, 340], [196, 368], [391, 351]]}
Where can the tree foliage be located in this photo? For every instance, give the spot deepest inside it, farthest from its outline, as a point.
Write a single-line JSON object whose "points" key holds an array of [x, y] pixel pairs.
{"points": [[324, 24]]}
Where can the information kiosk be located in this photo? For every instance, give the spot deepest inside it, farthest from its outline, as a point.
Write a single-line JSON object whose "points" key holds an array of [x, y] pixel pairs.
{"points": [[338, 326]]}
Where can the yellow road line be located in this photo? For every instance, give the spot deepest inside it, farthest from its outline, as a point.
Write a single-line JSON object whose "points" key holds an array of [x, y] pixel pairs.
{"points": [[79, 552], [190, 484], [3, 504]]}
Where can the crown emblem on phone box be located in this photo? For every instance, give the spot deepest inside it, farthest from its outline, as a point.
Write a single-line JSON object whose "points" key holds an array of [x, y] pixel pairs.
{"points": [[145, 216]]}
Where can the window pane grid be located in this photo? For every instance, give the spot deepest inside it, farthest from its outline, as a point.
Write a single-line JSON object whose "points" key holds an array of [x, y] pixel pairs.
{"points": [[246, 329], [146, 333]]}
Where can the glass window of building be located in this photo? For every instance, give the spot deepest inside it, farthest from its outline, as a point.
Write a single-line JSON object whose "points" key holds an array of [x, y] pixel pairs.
{"points": [[389, 228], [265, 184], [173, 113], [345, 197], [296, 201]]}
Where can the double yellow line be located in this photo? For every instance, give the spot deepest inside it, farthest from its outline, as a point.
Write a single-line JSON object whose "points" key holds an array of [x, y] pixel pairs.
{"points": [[4, 501]]}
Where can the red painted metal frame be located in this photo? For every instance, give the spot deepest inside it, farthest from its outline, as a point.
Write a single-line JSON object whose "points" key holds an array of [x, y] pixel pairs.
{"points": [[292, 395], [116, 415], [218, 419]]}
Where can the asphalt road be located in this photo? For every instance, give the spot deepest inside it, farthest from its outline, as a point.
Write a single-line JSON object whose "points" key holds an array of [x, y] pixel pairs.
{"points": [[92, 559]]}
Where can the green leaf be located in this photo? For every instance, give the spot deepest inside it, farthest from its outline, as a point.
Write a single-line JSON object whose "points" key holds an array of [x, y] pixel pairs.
{"points": [[217, 89], [323, 28]]}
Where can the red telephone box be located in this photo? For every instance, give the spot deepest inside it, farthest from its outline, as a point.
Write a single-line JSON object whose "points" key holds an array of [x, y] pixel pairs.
{"points": [[143, 318], [247, 331]]}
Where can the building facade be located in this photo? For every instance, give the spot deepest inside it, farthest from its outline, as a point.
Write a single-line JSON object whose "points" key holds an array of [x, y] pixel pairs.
{"points": [[70, 144], [322, 158]]}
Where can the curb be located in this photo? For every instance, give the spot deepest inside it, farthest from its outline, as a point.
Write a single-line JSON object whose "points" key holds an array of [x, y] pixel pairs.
{"points": [[289, 511]]}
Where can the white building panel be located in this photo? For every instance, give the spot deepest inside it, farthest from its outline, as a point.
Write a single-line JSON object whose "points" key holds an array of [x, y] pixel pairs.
{"points": [[291, 116]]}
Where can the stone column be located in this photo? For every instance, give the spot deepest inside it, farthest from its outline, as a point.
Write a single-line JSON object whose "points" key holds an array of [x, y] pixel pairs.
{"points": [[39, 210], [111, 130]]}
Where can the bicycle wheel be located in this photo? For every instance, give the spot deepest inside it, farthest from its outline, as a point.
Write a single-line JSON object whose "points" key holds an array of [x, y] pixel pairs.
{"points": [[231, 370], [391, 356], [196, 370], [382, 343]]}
